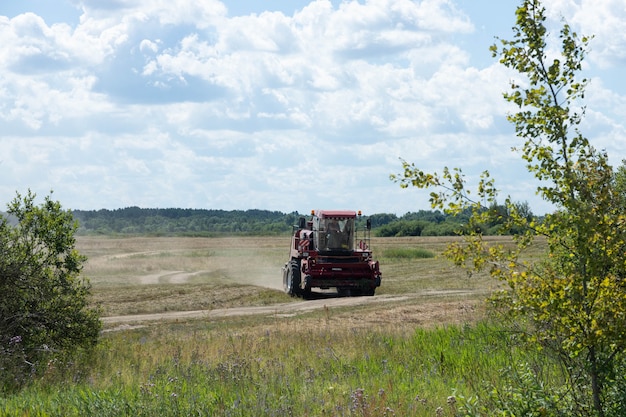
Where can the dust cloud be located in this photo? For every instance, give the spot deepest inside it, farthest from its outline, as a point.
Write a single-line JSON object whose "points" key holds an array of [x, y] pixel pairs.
{"points": [[258, 267], [246, 260]]}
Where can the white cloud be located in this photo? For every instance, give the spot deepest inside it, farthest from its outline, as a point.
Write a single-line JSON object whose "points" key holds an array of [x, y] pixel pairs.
{"points": [[160, 103], [605, 20]]}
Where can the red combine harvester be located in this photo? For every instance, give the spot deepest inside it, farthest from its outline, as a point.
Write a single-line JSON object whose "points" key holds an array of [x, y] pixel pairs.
{"points": [[326, 253]]}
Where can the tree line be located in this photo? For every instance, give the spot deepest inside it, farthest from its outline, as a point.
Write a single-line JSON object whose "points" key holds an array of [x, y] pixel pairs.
{"points": [[209, 222], [181, 221]]}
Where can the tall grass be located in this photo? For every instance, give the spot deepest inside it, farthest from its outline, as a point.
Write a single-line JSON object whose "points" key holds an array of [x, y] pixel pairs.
{"points": [[291, 369], [371, 360]]}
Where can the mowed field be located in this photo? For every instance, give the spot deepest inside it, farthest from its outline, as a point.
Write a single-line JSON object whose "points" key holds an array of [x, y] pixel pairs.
{"points": [[137, 281]]}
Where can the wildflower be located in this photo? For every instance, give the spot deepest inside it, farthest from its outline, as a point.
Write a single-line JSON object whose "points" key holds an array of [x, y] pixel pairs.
{"points": [[439, 411], [15, 340], [420, 400], [451, 400], [359, 400]]}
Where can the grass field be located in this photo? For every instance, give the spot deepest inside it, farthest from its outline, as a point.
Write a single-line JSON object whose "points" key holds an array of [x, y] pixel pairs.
{"points": [[152, 275], [420, 340]]}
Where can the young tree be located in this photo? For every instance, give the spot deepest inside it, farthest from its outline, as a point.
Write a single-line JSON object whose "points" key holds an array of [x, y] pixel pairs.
{"points": [[574, 299], [44, 313]]}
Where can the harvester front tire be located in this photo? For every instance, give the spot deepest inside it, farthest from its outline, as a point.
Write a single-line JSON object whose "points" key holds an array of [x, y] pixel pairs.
{"points": [[292, 286]]}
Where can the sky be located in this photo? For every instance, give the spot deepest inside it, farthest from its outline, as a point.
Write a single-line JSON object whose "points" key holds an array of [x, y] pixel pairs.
{"points": [[285, 105]]}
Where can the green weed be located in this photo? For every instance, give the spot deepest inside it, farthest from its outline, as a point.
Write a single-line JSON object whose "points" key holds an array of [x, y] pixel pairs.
{"points": [[407, 253]]}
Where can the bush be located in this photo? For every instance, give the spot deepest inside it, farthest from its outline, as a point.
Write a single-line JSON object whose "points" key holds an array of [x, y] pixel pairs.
{"points": [[402, 228], [442, 229], [44, 314]]}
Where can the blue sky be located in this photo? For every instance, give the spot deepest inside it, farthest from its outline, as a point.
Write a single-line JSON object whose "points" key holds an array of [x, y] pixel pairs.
{"points": [[281, 105]]}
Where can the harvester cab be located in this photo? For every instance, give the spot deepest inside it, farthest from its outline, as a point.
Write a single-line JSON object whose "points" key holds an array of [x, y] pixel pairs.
{"points": [[333, 233], [326, 252]]}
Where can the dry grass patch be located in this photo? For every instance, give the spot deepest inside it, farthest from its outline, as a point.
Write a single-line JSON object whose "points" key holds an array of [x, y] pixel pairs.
{"points": [[142, 275]]}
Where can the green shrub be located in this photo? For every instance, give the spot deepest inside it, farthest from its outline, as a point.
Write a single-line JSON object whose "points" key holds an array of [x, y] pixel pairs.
{"points": [[44, 314]]}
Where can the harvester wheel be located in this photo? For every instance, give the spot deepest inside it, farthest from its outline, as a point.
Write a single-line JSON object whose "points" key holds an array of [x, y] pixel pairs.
{"points": [[292, 284]]}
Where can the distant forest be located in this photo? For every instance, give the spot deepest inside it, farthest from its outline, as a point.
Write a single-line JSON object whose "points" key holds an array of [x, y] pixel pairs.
{"points": [[203, 222]]}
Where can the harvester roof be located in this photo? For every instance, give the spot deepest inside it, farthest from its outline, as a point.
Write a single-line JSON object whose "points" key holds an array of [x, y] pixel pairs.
{"points": [[336, 213]]}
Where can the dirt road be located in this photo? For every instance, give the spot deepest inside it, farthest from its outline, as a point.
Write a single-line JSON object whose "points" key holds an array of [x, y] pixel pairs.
{"points": [[412, 312]]}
